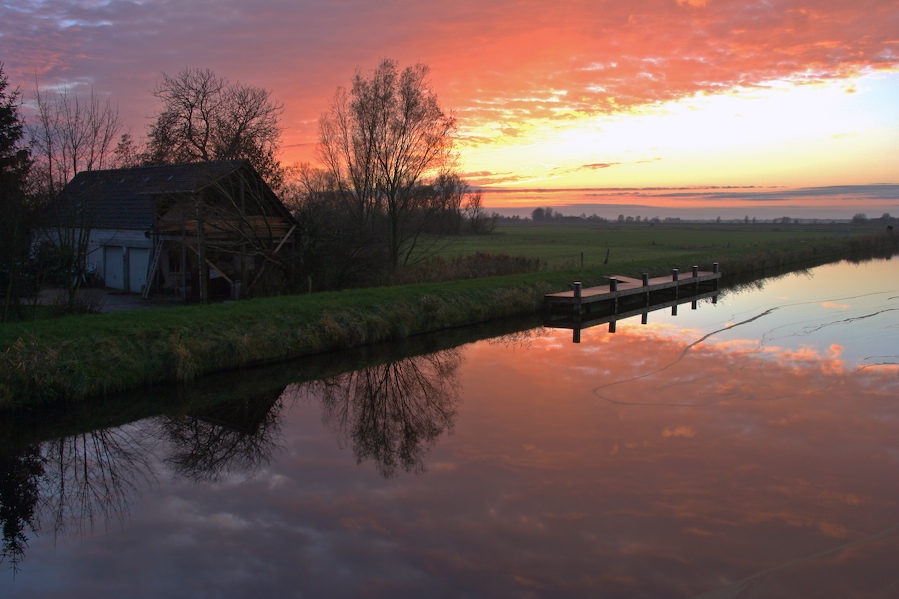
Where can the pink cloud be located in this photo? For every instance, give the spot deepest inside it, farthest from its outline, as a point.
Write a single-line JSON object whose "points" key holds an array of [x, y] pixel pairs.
{"points": [[496, 62]]}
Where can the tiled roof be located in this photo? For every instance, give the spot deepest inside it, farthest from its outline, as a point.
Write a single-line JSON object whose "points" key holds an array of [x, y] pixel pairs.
{"points": [[123, 198]]}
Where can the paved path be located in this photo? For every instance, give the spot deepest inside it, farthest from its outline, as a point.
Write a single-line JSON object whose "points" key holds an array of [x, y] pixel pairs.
{"points": [[111, 300]]}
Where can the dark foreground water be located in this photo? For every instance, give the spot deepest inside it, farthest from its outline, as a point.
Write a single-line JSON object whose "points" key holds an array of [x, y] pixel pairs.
{"points": [[748, 448]]}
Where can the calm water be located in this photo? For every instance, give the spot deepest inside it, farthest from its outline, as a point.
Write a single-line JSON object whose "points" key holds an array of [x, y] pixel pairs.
{"points": [[748, 448]]}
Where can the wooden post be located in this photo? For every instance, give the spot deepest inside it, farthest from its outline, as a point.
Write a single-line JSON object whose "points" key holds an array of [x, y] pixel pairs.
{"points": [[695, 279], [577, 300], [613, 286], [674, 310], [612, 326], [646, 284], [715, 271], [693, 305], [576, 335], [645, 318], [673, 274]]}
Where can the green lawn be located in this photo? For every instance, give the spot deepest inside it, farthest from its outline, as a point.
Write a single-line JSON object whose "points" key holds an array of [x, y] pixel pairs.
{"points": [[561, 245]]}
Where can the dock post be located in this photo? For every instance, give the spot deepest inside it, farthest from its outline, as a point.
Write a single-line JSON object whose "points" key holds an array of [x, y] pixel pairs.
{"points": [[673, 274], [613, 286], [674, 310], [694, 305], [646, 284], [695, 279], [645, 318], [577, 300], [612, 326], [715, 271]]}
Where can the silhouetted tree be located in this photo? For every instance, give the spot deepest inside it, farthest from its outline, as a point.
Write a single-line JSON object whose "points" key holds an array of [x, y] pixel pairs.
{"points": [[71, 135], [15, 224], [384, 142], [205, 117]]}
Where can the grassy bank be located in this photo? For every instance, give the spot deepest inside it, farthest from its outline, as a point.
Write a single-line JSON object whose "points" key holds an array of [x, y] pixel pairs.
{"points": [[77, 357]]}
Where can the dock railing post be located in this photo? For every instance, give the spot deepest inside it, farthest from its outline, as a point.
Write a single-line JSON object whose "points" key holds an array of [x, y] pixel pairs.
{"points": [[613, 286], [695, 279], [646, 284], [577, 301], [673, 274], [715, 271]]}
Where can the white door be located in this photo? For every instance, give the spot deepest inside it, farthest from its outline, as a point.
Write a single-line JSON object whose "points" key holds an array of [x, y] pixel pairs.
{"points": [[114, 266], [138, 263]]}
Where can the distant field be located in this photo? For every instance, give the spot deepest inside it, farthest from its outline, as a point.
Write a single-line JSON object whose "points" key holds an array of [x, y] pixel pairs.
{"points": [[561, 245]]}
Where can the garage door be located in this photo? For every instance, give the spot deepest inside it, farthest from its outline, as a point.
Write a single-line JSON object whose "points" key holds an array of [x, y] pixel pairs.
{"points": [[114, 266], [138, 262]]}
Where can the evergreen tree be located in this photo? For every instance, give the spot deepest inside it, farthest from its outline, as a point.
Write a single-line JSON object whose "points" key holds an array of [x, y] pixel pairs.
{"points": [[15, 233]]}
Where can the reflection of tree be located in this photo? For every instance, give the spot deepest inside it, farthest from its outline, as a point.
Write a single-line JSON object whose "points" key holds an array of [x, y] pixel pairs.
{"points": [[393, 412], [20, 473], [238, 436], [93, 476]]}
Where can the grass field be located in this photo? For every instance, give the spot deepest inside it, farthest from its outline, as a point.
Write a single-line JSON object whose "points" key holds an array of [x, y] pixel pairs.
{"points": [[561, 245]]}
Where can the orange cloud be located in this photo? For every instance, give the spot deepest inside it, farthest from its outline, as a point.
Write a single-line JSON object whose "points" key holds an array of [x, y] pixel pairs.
{"points": [[503, 67]]}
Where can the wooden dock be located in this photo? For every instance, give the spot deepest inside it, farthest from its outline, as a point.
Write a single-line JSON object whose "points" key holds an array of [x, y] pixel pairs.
{"points": [[625, 296]]}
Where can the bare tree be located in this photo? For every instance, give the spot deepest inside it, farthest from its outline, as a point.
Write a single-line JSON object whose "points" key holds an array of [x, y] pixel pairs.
{"points": [[478, 219], [71, 135], [205, 117], [383, 141]]}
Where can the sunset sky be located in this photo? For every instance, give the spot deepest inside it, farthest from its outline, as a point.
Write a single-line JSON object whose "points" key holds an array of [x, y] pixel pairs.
{"points": [[649, 93]]}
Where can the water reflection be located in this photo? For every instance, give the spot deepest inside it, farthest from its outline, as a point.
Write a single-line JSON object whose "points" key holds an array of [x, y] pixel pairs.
{"points": [[391, 413], [746, 449], [20, 474], [624, 310], [68, 485], [234, 437]]}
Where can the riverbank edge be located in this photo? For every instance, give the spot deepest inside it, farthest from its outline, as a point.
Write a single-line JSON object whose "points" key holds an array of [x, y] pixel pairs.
{"points": [[78, 357]]}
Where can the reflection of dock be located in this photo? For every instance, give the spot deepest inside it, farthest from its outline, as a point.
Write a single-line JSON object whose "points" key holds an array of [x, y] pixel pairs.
{"points": [[624, 297]]}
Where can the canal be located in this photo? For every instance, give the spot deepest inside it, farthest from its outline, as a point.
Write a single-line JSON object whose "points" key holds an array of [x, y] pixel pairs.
{"points": [[745, 448]]}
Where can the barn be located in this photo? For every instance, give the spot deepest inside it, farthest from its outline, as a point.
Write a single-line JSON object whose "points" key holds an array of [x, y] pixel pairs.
{"points": [[194, 229]]}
